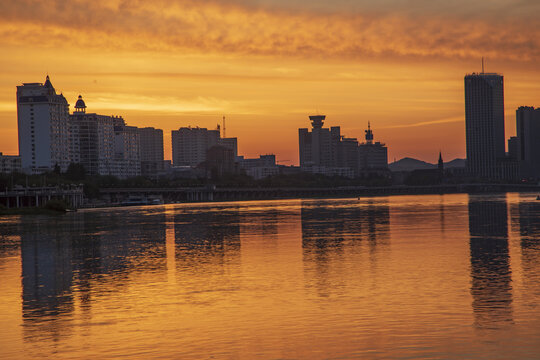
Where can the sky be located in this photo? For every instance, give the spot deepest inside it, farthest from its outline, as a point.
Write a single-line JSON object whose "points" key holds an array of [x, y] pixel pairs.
{"points": [[266, 65]]}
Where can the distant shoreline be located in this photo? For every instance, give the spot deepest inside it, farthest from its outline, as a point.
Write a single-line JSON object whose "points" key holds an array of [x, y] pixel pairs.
{"points": [[206, 195]]}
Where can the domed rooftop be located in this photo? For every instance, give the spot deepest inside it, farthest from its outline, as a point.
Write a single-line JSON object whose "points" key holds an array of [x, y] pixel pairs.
{"points": [[80, 106]]}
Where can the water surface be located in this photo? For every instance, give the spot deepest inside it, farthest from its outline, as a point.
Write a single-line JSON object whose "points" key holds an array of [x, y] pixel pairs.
{"points": [[406, 277]]}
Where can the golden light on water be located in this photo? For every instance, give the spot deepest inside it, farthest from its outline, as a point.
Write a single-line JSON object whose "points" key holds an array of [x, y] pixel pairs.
{"points": [[402, 276]]}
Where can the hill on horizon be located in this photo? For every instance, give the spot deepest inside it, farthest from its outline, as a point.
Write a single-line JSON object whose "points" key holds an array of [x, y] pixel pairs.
{"points": [[410, 164]]}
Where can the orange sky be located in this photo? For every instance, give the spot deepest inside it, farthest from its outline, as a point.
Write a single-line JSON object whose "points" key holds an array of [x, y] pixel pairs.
{"points": [[266, 65]]}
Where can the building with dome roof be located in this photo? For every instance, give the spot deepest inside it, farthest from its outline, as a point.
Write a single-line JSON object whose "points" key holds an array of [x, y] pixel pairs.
{"points": [[104, 144], [80, 106], [43, 126]]}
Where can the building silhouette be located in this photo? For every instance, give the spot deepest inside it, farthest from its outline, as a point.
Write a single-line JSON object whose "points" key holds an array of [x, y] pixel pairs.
{"points": [[43, 126], [326, 151], [126, 151], [220, 160], [259, 168], [491, 273], [191, 144], [319, 147], [103, 144], [372, 156], [440, 164], [151, 151], [527, 145], [10, 163], [484, 122]]}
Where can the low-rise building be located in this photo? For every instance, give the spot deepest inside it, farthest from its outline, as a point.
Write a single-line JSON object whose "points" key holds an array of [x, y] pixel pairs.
{"points": [[10, 163]]}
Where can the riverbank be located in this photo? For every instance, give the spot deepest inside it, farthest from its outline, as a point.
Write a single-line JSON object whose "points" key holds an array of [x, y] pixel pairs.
{"points": [[115, 196], [52, 207], [30, 211]]}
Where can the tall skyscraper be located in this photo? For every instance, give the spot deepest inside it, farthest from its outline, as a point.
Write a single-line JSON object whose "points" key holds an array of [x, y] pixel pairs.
{"points": [[43, 124], [527, 141], [484, 122]]}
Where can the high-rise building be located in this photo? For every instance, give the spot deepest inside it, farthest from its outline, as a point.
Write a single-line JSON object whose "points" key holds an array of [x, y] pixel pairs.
{"points": [[319, 147], [348, 153], [325, 151], [527, 141], [43, 125], [127, 158], [104, 144], [372, 156], [484, 122], [151, 151], [190, 145]]}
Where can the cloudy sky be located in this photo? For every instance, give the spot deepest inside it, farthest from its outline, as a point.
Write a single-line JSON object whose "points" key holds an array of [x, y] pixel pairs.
{"points": [[267, 64]]}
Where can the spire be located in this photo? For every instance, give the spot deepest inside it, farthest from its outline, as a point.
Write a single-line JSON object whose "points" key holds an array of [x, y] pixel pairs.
{"points": [[369, 133], [48, 83], [441, 163]]}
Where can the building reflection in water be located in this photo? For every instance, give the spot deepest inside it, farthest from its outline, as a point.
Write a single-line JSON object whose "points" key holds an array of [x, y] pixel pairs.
{"points": [[491, 275], [529, 230], [206, 240], [64, 258], [333, 234]]}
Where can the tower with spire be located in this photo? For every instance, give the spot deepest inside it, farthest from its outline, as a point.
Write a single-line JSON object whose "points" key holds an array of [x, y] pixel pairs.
{"points": [[372, 156], [440, 164]]}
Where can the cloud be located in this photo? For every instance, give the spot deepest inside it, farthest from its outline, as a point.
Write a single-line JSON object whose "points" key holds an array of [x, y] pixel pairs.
{"points": [[270, 29], [424, 123], [173, 105]]}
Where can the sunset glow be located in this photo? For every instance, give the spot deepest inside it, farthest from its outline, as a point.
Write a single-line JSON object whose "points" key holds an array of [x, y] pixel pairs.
{"points": [[266, 65]]}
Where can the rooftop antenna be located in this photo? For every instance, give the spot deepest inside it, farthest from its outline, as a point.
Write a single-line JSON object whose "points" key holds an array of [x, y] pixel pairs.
{"points": [[224, 130]]}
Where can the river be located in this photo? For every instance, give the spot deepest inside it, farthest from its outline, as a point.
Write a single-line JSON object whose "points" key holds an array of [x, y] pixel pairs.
{"points": [[398, 277]]}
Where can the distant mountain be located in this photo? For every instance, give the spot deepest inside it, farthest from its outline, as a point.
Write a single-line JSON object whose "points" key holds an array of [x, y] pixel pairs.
{"points": [[455, 163], [410, 164]]}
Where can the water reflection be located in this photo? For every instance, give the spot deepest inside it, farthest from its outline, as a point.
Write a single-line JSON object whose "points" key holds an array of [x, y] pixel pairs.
{"points": [[207, 252], [491, 275], [65, 257], [529, 230], [207, 234], [331, 235]]}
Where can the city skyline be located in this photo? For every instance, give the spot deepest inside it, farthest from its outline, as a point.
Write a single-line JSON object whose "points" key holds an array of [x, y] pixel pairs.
{"points": [[401, 68]]}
